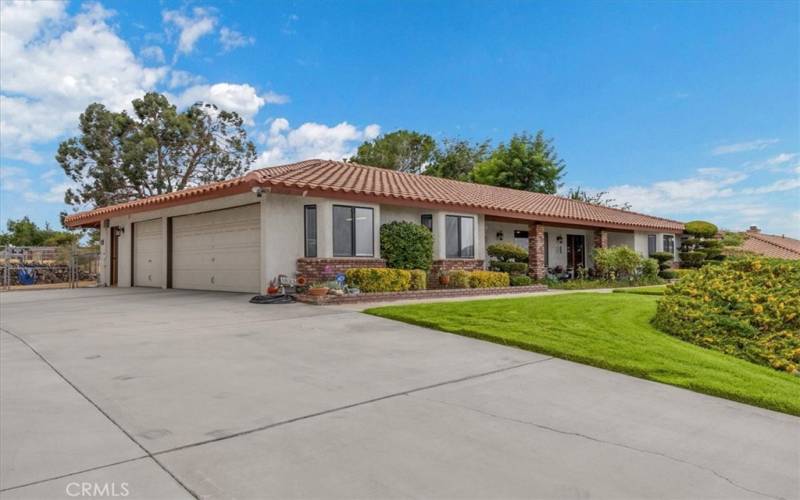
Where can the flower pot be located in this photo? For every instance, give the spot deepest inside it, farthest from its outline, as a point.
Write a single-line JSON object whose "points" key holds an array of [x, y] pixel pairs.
{"points": [[272, 290], [318, 291], [444, 280]]}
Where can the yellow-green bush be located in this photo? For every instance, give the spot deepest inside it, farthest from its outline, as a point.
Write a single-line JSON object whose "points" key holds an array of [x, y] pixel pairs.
{"points": [[419, 279], [748, 308], [488, 279], [458, 279], [377, 279]]}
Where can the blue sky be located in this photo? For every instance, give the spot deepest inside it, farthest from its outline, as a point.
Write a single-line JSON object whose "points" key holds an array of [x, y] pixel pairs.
{"points": [[685, 110]]}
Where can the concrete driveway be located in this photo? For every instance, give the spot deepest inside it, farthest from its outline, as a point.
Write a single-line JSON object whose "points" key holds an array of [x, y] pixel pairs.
{"points": [[177, 394]]}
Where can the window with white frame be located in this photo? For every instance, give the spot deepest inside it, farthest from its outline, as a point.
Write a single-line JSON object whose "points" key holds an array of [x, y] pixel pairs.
{"points": [[310, 230], [353, 231], [651, 244], [459, 237]]}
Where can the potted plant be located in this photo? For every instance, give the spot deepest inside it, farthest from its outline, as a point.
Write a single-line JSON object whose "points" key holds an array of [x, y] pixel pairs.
{"points": [[272, 289], [444, 279], [318, 289]]}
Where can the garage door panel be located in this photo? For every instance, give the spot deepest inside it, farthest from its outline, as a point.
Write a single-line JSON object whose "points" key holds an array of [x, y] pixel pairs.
{"points": [[218, 250], [148, 250]]}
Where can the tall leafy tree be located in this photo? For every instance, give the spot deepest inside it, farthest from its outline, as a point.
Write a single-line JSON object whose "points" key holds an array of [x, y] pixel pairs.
{"points": [[600, 198], [26, 233], [403, 150], [527, 162], [456, 158], [119, 157]]}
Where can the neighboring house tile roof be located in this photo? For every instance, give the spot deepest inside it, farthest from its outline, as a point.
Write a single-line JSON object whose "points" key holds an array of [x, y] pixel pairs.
{"points": [[350, 180], [770, 245]]}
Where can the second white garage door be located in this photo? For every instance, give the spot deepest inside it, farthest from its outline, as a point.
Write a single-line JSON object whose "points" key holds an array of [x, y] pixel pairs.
{"points": [[148, 251], [217, 250]]}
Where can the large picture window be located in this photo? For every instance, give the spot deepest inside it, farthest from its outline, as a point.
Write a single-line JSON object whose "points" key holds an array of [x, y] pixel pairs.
{"points": [[353, 231], [459, 237], [669, 243], [310, 230]]}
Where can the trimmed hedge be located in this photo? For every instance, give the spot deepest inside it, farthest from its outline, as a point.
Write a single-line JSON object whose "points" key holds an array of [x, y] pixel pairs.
{"points": [[520, 280], [419, 279], [509, 267], [488, 279], [748, 308], [700, 228], [507, 251], [668, 274], [369, 279], [406, 245], [458, 279]]}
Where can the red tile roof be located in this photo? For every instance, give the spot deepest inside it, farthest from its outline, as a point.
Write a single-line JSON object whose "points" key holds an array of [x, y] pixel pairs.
{"points": [[769, 245], [350, 180]]}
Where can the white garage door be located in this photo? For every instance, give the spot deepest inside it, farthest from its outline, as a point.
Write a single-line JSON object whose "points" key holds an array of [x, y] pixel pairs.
{"points": [[217, 250], [148, 251]]}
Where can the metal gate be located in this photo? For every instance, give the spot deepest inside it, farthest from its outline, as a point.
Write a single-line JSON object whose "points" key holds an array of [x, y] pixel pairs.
{"points": [[30, 268]]}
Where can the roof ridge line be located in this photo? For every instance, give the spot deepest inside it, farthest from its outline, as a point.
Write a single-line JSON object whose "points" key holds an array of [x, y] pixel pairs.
{"points": [[758, 236]]}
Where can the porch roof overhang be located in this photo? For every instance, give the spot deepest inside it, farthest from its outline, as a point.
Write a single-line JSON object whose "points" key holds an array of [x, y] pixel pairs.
{"points": [[348, 181]]}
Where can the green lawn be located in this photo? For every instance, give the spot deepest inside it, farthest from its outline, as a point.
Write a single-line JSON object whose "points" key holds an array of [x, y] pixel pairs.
{"points": [[611, 331], [643, 290]]}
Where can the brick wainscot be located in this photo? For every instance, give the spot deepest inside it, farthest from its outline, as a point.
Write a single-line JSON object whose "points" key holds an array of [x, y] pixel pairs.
{"points": [[316, 270]]}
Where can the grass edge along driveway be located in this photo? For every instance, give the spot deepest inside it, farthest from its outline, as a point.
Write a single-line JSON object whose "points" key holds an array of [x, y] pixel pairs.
{"points": [[610, 331]]}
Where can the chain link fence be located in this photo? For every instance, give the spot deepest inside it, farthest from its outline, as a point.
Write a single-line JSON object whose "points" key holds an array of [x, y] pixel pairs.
{"points": [[32, 268]]}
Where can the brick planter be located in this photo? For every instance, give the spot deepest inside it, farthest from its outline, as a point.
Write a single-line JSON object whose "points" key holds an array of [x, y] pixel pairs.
{"points": [[325, 269], [419, 294]]}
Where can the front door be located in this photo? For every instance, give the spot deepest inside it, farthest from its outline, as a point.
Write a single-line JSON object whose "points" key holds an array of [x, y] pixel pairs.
{"points": [[576, 250], [114, 256]]}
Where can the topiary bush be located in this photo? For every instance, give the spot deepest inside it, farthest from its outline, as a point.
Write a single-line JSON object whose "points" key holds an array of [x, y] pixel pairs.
{"points": [[749, 308], [507, 252], [378, 279], [406, 245], [692, 259], [419, 279], [520, 280], [488, 279], [668, 274], [509, 267], [700, 229], [664, 259]]}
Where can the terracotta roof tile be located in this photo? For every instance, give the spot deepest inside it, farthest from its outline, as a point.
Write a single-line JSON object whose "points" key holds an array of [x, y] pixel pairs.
{"points": [[320, 176], [769, 245]]}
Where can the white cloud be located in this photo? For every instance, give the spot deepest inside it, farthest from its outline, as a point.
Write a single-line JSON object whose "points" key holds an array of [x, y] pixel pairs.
{"points": [[776, 187], [192, 27], [54, 66], [55, 194], [275, 98], [13, 179], [241, 98], [782, 158], [153, 52], [179, 78], [231, 39], [311, 140], [741, 147]]}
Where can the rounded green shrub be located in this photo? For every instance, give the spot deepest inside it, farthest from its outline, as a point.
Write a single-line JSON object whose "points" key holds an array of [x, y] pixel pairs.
{"points": [[507, 251], [406, 245], [458, 279], [749, 308], [700, 229], [668, 274], [692, 259], [649, 268], [520, 280]]}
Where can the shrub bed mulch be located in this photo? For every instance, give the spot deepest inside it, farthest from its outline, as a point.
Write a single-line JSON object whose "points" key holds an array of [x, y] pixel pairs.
{"points": [[747, 308], [418, 294]]}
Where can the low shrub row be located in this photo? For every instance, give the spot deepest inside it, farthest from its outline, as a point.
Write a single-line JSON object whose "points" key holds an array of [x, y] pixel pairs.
{"points": [[370, 280], [748, 308], [475, 279]]}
